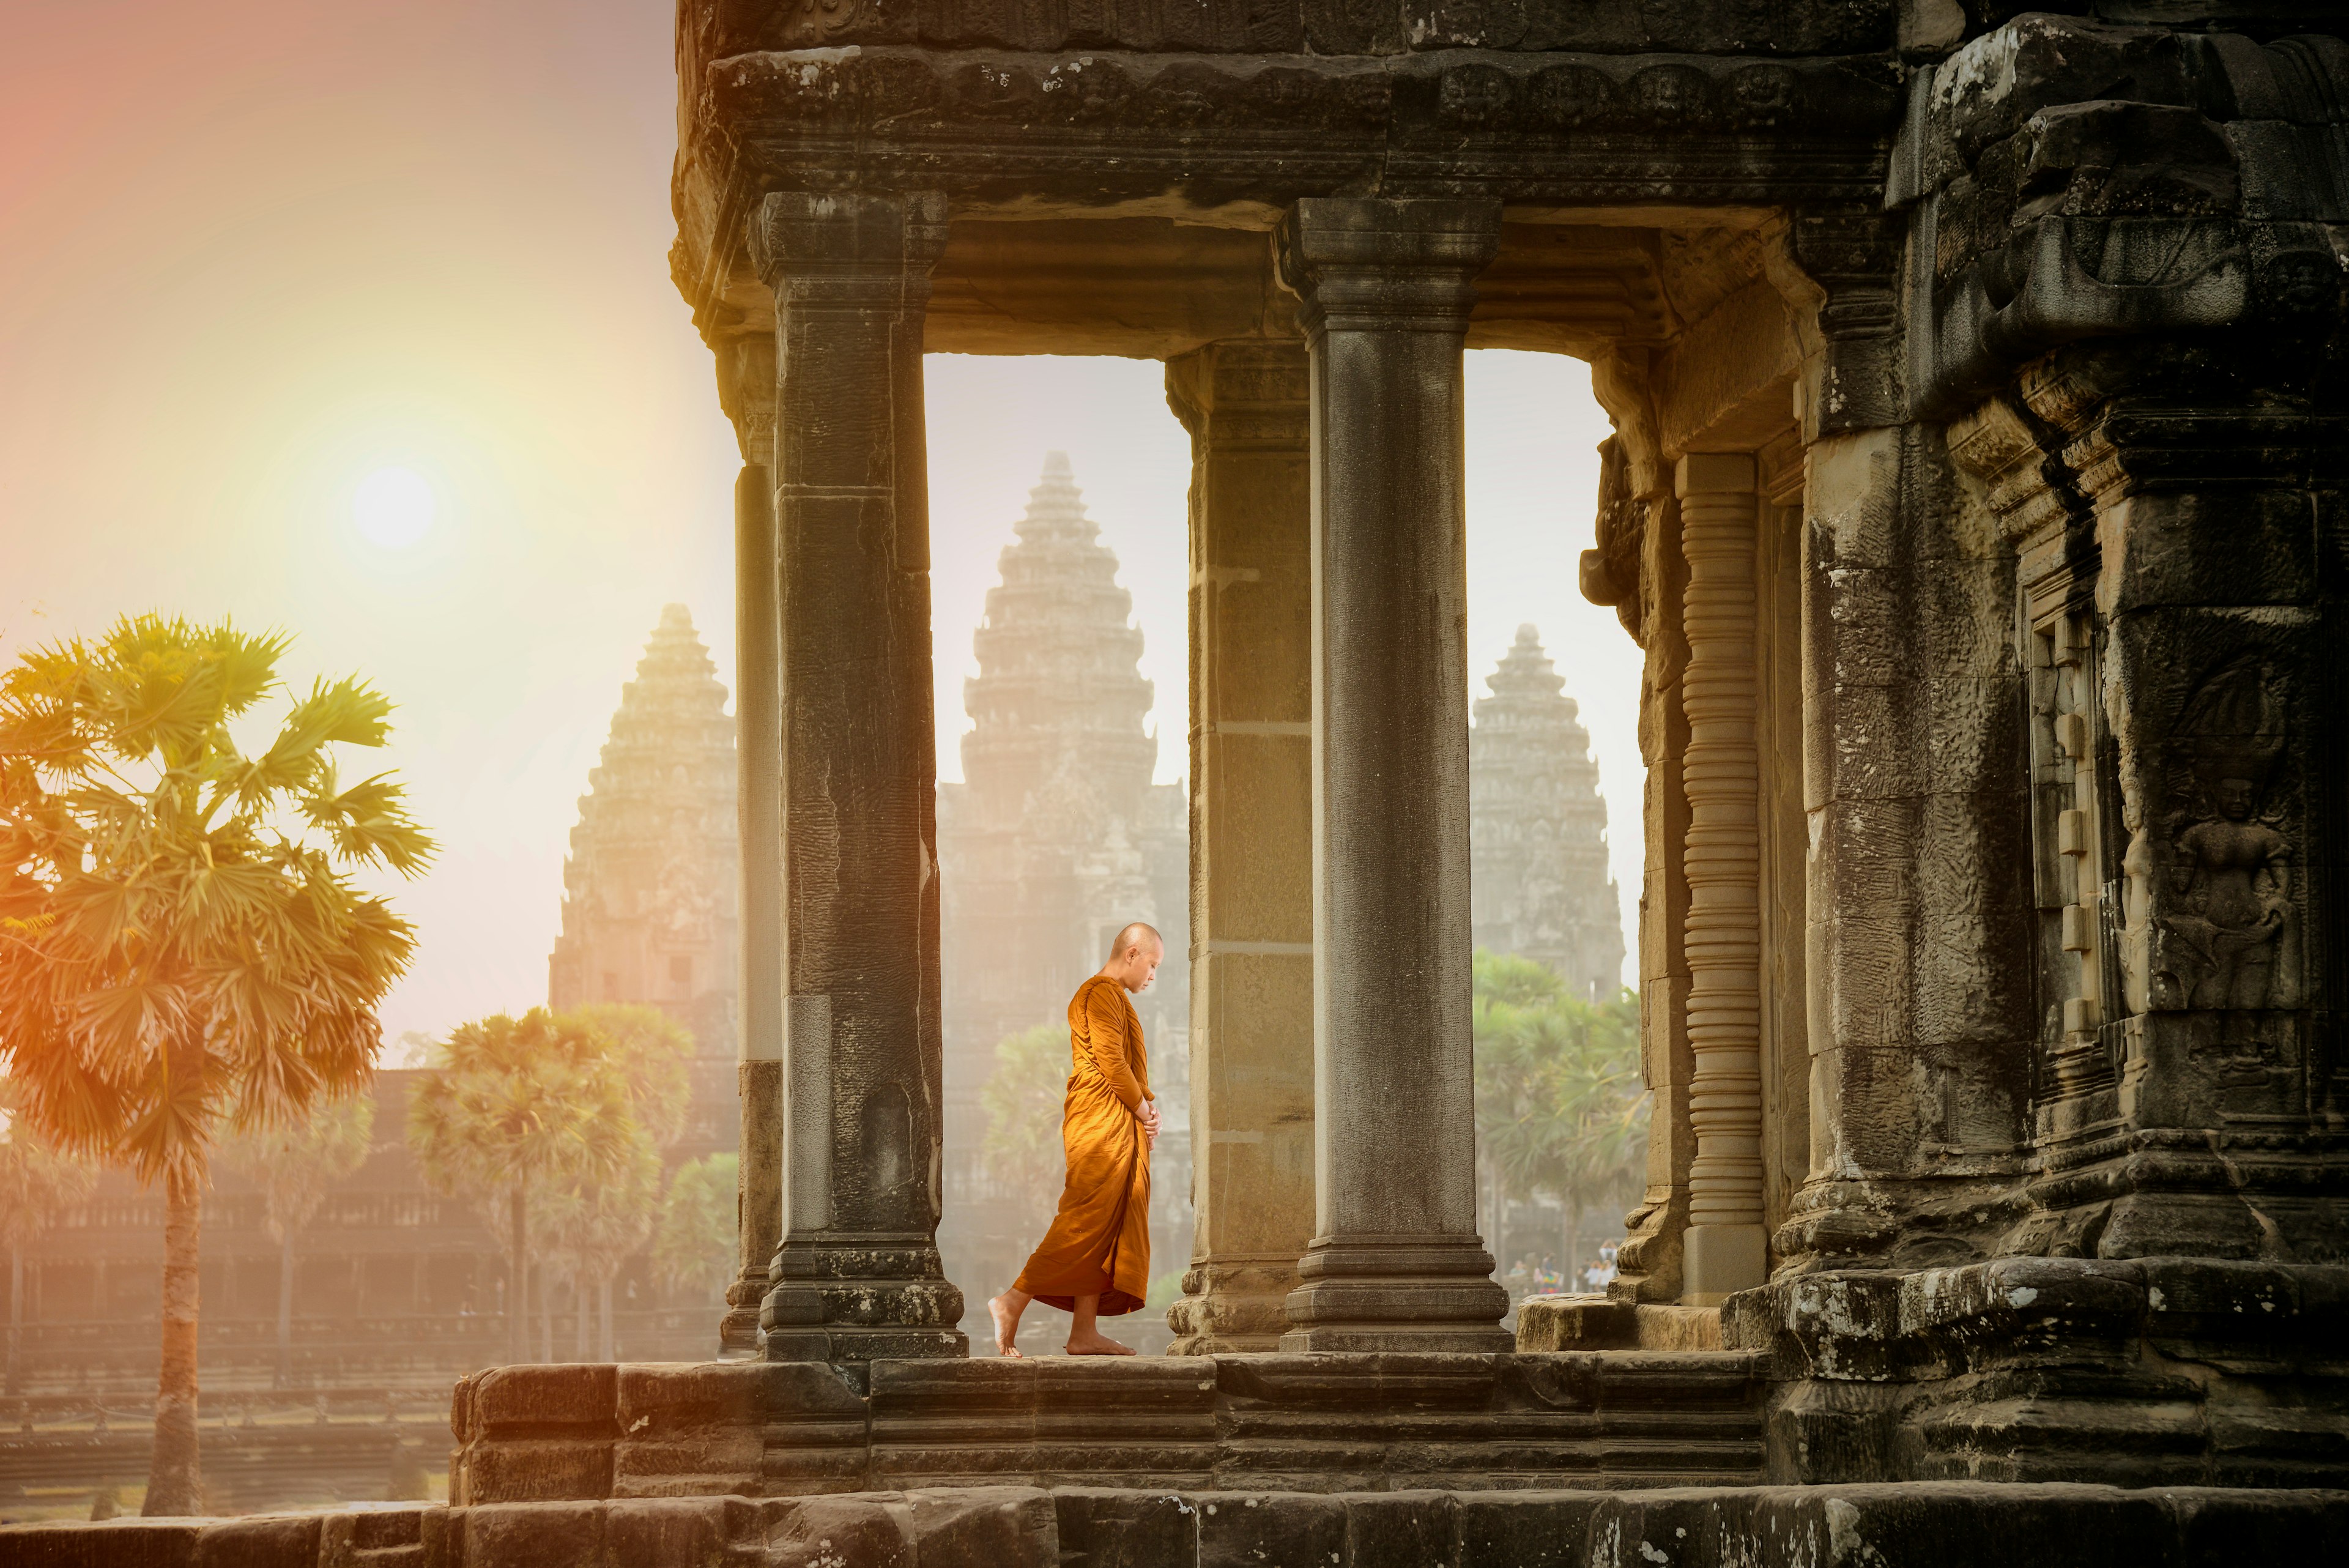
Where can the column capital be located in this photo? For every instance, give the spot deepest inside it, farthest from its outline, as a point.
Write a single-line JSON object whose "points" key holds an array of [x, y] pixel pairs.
{"points": [[803, 241], [1363, 261], [1715, 473]]}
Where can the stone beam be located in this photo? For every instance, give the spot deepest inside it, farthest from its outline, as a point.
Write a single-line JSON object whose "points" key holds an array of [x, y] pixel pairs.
{"points": [[858, 1275], [1245, 404], [1395, 1262]]}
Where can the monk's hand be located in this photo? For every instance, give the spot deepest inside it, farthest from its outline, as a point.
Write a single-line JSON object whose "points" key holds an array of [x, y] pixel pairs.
{"points": [[1148, 1117]]}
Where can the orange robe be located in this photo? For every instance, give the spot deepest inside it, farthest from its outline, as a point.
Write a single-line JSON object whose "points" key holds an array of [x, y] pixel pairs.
{"points": [[1100, 1241]]}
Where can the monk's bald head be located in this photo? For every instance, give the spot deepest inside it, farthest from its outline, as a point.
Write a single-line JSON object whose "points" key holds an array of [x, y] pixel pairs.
{"points": [[1133, 957], [1136, 935]]}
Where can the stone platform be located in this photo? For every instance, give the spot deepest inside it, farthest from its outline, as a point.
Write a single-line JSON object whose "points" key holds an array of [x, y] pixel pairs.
{"points": [[1918, 1525], [1288, 1423]]}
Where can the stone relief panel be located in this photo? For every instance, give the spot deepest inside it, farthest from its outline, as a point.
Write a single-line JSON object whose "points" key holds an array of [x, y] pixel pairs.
{"points": [[2225, 943]]}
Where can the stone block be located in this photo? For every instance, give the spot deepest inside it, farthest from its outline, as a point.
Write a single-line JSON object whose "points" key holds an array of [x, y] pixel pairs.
{"points": [[383, 1537], [512, 1400], [1252, 1530], [1117, 1528], [285, 1541], [535, 1470], [115, 1543], [535, 1535], [1968, 1523], [2216, 1528], [2235, 546], [671, 1530], [1401, 1529], [983, 1527], [850, 1531], [1522, 1529], [1574, 1323]]}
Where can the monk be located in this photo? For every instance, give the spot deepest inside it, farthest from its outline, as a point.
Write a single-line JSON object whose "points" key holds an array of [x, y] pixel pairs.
{"points": [[1095, 1260]]}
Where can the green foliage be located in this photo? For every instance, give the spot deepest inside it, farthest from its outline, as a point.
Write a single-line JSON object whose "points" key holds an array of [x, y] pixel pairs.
{"points": [[1561, 1111], [652, 1052], [180, 937], [527, 1103], [586, 1229], [695, 1247], [295, 1166], [1024, 1097]]}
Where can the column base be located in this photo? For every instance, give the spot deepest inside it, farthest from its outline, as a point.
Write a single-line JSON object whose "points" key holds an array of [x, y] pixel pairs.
{"points": [[738, 1331], [1231, 1308], [860, 1298], [1397, 1293], [1719, 1261]]}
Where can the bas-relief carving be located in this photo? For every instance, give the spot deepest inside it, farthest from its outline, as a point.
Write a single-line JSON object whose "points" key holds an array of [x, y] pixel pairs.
{"points": [[2229, 913]]}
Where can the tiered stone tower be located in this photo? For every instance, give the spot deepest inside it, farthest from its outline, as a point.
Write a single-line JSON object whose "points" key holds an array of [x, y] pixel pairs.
{"points": [[1537, 827], [1056, 839], [650, 890]]}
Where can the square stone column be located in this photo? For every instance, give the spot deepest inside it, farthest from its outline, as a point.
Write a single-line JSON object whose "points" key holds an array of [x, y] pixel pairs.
{"points": [[857, 1276], [1726, 1249], [1395, 1261], [746, 385], [1245, 404], [759, 759]]}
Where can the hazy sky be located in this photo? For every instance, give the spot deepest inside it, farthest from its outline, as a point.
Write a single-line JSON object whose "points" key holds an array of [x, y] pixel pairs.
{"points": [[253, 250]]}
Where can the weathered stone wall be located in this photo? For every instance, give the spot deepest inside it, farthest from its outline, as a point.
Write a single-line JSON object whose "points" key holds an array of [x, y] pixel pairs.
{"points": [[1928, 1526]]}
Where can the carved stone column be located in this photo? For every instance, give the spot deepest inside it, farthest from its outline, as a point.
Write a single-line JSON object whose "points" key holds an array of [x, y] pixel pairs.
{"points": [[747, 388], [1726, 1249], [1245, 405], [1395, 1261], [858, 1275]]}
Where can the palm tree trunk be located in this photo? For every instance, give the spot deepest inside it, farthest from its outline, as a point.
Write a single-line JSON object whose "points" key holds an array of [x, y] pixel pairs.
{"points": [[285, 1308], [604, 1305], [174, 1484], [14, 1382], [583, 1322], [1574, 1279], [545, 1316], [517, 1279]]}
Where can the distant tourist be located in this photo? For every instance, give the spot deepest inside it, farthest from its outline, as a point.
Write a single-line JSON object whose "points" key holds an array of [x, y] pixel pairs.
{"points": [[1095, 1260]]}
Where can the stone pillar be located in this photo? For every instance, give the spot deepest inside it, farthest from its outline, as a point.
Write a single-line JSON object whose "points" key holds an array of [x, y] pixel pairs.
{"points": [[758, 753], [1245, 405], [1726, 1249], [1395, 1262], [857, 1276]]}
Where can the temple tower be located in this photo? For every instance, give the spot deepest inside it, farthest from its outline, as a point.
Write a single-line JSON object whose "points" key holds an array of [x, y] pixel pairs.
{"points": [[650, 886], [1537, 827], [1056, 838]]}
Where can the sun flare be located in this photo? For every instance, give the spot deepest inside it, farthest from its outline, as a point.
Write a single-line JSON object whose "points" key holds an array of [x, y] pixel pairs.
{"points": [[393, 507]]}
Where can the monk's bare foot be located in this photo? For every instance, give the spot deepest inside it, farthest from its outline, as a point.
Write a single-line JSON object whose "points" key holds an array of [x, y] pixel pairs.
{"points": [[1094, 1343], [1007, 1326]]}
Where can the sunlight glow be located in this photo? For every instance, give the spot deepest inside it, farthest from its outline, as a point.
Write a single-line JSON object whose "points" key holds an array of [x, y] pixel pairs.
{"points": [[393, 507]]}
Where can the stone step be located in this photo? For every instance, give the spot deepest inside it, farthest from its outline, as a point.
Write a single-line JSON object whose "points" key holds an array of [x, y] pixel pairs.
{"points": [[1296, 1422]]}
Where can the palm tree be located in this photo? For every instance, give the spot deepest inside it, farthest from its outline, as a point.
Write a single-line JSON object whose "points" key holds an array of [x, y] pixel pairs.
{"points": [[180, 942], [592, 1228], [1561, 1107], [37, 1184], [294, 1167], [517, 1107], [1023, 1099], [588, 1230], [652, 1052], [694, 1247]]}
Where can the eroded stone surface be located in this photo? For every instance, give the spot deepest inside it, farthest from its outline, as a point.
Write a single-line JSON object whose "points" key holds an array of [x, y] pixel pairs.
{"points": [[1956, 1524]]}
